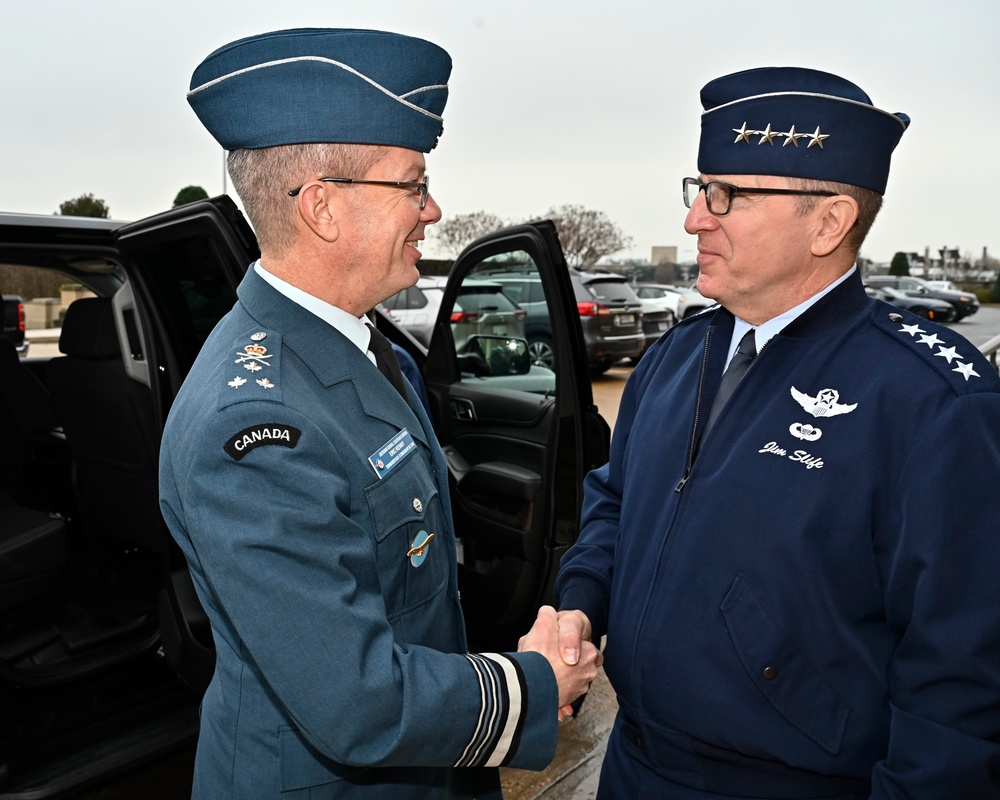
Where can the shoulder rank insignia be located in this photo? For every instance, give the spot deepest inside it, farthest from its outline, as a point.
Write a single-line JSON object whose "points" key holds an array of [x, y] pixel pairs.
{"points": [[963, 365], [254, 358]]}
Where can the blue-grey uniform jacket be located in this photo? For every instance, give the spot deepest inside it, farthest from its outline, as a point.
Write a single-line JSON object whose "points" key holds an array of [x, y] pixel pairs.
{"points": [[814, 586], [311, 502]]}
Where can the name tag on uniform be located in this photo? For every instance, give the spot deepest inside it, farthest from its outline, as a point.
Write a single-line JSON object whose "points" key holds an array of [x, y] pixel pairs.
{"points": [[392, 453]]}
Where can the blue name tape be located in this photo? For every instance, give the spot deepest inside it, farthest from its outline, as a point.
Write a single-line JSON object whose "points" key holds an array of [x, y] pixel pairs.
{"points": [[389, 455]]}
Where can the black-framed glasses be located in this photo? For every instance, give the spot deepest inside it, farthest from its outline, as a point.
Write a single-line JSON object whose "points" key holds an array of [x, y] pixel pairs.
{"points": [[719, 196], [421, 188]]}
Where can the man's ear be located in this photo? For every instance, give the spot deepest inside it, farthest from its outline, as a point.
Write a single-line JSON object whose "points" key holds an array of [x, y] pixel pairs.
{"points": [[837, 216], [315, 209]]}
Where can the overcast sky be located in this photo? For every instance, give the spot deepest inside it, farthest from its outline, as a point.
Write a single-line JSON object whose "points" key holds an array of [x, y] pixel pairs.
{"points": [[552, 101]]}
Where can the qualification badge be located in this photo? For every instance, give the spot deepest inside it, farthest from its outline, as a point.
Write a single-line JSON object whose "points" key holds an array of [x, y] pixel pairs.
{"points": [[418, 548]]}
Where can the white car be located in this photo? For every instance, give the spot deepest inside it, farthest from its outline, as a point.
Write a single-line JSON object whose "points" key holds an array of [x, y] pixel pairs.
{"points": [[682, 302]]}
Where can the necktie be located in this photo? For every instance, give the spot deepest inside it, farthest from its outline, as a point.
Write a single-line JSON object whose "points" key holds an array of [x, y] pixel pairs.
{"points": [[386, 361], [746, 352]]}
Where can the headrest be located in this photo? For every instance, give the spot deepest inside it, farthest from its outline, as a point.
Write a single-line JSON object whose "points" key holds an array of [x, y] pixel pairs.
{"points": [[323, 85], [88, 330], [796, 123]]}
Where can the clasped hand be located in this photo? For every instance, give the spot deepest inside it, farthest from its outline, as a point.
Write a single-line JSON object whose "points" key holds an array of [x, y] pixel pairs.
{"points": [[563, 638]]}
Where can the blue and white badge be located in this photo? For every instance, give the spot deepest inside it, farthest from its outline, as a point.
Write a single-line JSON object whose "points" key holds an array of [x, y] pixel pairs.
{"points": [[392, 453]]}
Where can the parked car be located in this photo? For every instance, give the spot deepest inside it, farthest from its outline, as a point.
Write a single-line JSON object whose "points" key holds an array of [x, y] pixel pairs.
{"points": [[946, 285], [13, 322], [966, 303], [104, 647], [610, 314], [926, 307], [656, 321], [682, 302], [415, 309]]}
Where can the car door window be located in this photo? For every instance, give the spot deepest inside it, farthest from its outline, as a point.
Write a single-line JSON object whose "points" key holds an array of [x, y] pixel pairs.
{"points": [[500, 325]]}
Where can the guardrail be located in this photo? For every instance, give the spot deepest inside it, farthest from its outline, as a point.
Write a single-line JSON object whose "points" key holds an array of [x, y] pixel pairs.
{"points": [[989, 349]]}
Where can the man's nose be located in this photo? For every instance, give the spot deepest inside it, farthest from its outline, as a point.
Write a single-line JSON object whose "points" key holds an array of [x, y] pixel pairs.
{"points": [[699, 217], [431, 212]]}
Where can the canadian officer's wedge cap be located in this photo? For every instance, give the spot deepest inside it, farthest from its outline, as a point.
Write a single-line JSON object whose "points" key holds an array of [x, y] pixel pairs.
{"points": [[796, 123], [323, 85]]}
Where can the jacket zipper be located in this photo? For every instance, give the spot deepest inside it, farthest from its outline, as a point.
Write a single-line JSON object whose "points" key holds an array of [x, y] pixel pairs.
{"points": [[701, 382], [697, 412]]}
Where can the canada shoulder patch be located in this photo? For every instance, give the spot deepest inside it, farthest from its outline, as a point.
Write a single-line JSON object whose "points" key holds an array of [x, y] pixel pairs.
{"points": [[259, 435]]}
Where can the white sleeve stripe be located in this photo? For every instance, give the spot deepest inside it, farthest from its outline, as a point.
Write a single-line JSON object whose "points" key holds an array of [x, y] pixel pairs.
{"points": [[484, 676], [511, 711], [502, 691]]}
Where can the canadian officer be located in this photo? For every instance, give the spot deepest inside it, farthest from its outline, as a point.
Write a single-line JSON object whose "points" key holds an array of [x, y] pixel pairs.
{"points": [[800, 595], [300, 475]]}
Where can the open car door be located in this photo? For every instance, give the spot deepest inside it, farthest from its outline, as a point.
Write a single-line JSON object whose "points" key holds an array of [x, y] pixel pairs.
{"points": [[183, 269], [511, 399]]}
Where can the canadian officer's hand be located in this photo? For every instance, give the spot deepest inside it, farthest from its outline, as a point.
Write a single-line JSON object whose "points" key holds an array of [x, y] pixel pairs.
{"points": [[573, 679]]}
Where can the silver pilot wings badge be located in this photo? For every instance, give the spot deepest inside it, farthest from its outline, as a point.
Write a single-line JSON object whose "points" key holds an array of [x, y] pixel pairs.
{"points": [[826, 403]]}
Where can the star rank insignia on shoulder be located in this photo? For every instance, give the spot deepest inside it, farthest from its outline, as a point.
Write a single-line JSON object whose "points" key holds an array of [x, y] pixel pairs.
{"points": [[253, 369], [949, 353]]}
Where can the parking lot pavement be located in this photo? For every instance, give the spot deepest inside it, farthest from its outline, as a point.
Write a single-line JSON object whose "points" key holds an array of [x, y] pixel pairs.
{"points": [[577, 766]]}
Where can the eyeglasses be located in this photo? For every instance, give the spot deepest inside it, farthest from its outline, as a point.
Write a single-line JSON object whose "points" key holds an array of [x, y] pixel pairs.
{"points": [[719, 196], [422, 189]]}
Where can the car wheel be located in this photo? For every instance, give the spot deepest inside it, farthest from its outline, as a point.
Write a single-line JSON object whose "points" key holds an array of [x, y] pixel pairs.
{"points": [[541, 352]]}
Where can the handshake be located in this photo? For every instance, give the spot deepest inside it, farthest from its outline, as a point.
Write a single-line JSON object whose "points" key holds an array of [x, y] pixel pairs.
{"points": [[563, 637]]}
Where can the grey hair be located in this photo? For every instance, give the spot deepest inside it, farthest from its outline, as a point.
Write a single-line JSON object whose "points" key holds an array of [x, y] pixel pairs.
{"points": [[869, 203], [262, 178]]}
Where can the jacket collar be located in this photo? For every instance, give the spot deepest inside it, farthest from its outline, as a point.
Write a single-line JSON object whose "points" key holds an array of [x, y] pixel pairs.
{"points": [[831, 310], [328, 354]]}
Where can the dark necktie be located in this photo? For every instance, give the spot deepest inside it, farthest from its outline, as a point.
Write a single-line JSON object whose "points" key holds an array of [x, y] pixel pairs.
{"points": [[746, 352], [386, 361]]}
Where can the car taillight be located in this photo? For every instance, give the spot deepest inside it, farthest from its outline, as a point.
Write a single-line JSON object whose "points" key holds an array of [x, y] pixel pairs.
{"points": [[20, 316], [464, 316], [520, 313], [593, 310], [930, 314]]}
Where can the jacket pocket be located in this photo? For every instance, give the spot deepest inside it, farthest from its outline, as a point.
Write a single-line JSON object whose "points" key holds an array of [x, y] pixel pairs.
{"points": [[780, 671], [411, 536]]}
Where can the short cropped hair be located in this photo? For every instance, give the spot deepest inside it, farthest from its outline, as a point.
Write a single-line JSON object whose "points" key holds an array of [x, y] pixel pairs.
{"points": [[869, 204], [263, 178]]}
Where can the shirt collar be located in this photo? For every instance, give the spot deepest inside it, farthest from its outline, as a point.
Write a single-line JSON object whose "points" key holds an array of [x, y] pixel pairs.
{"points": [[354, 328], [768, 330]]}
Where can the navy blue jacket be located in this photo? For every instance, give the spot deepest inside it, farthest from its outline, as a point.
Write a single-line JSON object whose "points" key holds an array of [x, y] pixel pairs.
{"points": [[815, 582], [302, 489]]}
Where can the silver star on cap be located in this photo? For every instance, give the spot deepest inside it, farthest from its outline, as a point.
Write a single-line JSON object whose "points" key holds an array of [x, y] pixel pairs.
{"points": [[817, 138], [792, 137], [744, 134], [767, 135]]}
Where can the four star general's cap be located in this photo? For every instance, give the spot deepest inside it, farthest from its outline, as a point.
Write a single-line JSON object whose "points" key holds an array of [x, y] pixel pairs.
{"points": [[323, 85], [796, 123]]}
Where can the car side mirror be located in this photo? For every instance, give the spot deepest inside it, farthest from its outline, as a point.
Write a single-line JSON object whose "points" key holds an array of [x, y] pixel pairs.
{"points": [[489, 356]]}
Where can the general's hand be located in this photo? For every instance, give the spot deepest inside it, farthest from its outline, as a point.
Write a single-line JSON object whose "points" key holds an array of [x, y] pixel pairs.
{"points": [[573, 679], [574, 629]]}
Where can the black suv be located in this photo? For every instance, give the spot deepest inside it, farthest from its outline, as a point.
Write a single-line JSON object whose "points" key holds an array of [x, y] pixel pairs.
{"points": [[610, 315], [104, 648], [13, 322], [966, 303]]}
